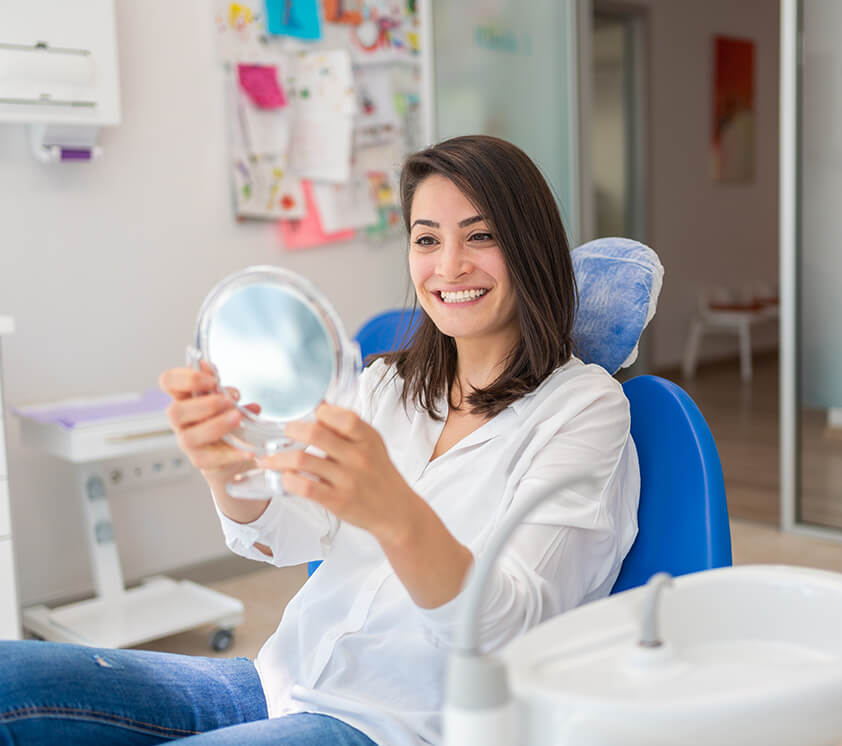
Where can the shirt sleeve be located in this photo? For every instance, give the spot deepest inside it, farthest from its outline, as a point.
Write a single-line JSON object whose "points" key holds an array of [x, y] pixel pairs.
{"points": [[296, 530], [570, 548]]}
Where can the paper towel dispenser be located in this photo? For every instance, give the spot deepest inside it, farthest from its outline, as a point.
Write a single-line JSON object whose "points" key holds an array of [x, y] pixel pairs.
{"points": [[58, 71]]}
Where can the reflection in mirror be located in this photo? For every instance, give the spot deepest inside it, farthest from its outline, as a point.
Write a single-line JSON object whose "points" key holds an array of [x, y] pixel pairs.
{"points": [[270, 334], [268, 344]]}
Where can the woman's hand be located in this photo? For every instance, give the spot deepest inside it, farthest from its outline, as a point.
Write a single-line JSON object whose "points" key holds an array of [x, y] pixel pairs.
{"points": [[200, 415], [355, 480]]}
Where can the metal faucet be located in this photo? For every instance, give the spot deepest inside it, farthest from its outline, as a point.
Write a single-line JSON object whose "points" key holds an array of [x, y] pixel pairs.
{"points": [[649, 637]]}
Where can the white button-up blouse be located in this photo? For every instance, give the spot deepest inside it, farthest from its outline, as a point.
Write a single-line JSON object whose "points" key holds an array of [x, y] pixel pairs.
{"points": [[353, 645]]}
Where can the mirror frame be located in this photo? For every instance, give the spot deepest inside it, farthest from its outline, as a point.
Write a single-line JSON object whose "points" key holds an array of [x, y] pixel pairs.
{"points": [[254, 431]]}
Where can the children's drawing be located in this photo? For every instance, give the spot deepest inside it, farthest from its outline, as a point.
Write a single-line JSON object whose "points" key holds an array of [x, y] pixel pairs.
{"points": [[263, 185], [240, 29], [388, 32], [388, 209], [377, 119], [321, 93]]}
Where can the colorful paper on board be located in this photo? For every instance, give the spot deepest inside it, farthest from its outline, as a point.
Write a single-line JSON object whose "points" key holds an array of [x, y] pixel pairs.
{"points": [[320, 86], [343, 206], [260, 84], [264, 187], [388, 32], [240, 29], [299, 18], [308, 232], [344, 11], [377, 118]]}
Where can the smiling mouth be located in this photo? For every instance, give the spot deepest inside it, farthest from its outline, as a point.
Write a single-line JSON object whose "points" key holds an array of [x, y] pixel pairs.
{"points": [[461, 296]]}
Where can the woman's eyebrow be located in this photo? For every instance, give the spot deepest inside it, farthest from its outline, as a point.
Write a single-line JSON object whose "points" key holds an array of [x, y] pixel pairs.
{"points": [[433, 224]]}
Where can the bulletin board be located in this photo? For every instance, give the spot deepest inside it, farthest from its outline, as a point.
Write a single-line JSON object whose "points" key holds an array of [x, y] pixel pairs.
{"points": [[322, 100]]}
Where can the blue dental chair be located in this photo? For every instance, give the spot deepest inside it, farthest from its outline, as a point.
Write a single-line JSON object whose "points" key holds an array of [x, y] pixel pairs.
{"points": [[385, 331], [683, 516], [683, 524]]}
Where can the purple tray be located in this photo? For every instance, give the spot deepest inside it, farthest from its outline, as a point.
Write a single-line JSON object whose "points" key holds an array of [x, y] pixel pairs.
{"points": [[71, 415]]}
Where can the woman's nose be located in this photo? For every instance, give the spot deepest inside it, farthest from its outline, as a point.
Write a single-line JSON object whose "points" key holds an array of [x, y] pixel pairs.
{"points": [[453, 261]]}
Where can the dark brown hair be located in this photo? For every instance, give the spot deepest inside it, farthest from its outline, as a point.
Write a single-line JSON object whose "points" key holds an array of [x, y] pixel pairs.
{"points": [[509, 191]]}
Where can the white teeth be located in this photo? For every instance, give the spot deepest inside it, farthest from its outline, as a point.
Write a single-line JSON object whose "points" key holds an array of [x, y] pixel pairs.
{"points": [[460, 296]]}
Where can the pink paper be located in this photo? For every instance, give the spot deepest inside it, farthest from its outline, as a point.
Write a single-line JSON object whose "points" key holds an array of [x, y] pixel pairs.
{"points": [[308, 232], [260, 83]]}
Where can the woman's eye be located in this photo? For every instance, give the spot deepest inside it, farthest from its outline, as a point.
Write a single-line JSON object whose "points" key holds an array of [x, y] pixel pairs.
{"points": [[482, 237], [425, 241]]}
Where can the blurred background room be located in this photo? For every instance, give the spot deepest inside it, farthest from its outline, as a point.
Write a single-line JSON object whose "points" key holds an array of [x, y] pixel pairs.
{"points": [[228, 134]]}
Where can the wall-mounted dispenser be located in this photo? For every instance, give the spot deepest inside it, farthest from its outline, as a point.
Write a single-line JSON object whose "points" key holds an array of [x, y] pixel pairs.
{"points": [[58, 73]]}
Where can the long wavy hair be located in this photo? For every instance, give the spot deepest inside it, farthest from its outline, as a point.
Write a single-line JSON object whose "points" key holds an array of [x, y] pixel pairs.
{"points": [[510, 192]]}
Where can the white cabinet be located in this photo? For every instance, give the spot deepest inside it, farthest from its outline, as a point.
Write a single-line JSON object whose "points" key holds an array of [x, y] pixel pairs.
{"points": [[9, 617]]}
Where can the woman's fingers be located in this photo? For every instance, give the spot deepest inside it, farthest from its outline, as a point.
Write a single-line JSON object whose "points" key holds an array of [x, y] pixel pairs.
{"points": [[343, 421], [181, 383], [185, 412], [210, 430], [320, 435], [312, 489], [301, 462], [218, 456]]}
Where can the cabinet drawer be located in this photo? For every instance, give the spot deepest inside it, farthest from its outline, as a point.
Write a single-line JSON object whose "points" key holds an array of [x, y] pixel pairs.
{"points": [[5, 521], [9, 622]]}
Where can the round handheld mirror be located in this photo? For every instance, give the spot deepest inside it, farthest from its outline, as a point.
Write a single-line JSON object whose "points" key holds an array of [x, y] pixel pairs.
{"points": [[271, 335]]}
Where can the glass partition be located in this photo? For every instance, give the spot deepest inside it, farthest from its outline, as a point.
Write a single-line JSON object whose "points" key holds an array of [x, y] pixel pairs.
{"points": [[811, 266], [509, 69], [820, 265]]}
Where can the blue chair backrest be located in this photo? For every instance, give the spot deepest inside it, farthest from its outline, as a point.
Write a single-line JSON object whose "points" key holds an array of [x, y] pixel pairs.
{"points": [[683, 514], [386, 331]]}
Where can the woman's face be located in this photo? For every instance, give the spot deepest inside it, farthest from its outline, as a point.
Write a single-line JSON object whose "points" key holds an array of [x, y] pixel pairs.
{"points": [[458, 270]]}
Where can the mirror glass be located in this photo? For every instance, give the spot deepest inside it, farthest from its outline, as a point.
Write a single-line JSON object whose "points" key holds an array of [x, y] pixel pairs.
{"points": [[270, 334], [266, 342]]}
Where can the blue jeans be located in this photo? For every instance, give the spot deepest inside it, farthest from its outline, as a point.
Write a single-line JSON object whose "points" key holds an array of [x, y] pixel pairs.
{"points": [[55, 693]]}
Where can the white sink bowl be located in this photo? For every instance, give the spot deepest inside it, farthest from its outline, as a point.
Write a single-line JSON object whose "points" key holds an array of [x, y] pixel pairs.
{"points": [[751, 655]]}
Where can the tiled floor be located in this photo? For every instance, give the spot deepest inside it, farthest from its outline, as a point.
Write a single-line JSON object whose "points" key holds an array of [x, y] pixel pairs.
{"points": [[744, 420]]}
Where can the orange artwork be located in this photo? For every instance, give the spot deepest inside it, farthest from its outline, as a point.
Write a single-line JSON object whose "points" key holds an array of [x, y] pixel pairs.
{"points": [[733, 110]]}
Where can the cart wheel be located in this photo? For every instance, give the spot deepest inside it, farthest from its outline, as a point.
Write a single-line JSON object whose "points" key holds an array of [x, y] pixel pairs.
{"points": [[222, 639]]}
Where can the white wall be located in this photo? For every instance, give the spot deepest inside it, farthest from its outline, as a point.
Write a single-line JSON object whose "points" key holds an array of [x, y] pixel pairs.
{"points": [[707, 233], [103, 266]]}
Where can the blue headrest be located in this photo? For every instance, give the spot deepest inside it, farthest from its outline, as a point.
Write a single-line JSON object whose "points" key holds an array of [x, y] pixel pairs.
{"points": [[619, 281]]}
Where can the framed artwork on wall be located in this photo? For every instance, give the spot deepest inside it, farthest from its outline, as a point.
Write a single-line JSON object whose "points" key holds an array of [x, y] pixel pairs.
{"points": [[733, 138]]}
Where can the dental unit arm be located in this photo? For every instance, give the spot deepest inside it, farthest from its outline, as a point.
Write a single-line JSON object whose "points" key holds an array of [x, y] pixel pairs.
{"points": [[479, 709]]}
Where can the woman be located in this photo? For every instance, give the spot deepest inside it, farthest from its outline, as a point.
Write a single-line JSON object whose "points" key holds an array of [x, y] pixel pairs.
{"points": [[485, 407]]}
